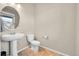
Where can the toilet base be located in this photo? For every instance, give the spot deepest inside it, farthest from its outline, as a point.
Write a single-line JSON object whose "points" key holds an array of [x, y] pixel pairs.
{"points": [[34, 48]]}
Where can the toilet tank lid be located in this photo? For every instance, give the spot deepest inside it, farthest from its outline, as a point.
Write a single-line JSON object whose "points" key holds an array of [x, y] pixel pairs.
{"points": [[30, 34]]}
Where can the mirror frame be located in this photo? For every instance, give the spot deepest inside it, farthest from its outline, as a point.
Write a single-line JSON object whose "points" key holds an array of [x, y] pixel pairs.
{"points": [[12, 10]]}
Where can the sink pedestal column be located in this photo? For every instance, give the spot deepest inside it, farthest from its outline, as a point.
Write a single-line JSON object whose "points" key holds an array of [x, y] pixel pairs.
{"points": [[13, 47]]}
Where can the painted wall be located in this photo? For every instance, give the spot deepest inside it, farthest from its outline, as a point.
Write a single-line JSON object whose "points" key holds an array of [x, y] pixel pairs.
{"points": [[77, 31], [58, 22]]}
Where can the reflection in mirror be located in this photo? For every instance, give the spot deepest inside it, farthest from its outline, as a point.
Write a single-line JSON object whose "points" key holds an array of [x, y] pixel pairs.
{"points": [[7, 21]]}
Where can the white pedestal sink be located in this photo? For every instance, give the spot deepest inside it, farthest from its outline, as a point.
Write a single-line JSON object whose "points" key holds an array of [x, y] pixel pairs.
{"points": [[12, 38]]}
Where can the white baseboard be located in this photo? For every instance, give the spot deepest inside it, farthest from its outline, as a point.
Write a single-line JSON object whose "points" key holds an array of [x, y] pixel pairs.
{"points": [[22, 49], [63, 54]]}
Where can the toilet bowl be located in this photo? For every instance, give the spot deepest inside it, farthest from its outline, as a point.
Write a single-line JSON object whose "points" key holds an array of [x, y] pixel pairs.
{"points": [[34, 43]]}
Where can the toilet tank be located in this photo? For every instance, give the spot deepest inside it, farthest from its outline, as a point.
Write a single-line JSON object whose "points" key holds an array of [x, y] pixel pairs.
{"points": [[30, 37]]}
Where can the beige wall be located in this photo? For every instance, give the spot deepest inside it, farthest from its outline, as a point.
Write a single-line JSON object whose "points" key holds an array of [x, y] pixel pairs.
{"points": [[77, 31], [58, 22]]}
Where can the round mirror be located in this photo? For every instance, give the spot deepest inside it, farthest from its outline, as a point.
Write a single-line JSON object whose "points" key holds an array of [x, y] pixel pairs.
{"points": [[12, 10]]}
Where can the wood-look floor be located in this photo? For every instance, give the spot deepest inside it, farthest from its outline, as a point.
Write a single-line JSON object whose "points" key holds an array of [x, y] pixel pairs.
{"points": [[41, 52]]}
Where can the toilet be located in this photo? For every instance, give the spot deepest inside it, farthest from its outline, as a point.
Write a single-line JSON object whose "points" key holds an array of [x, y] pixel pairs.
{"points": [[34, 43]]}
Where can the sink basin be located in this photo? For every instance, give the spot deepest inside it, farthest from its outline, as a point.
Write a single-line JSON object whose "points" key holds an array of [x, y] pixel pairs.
{"points": [[11, 37]]}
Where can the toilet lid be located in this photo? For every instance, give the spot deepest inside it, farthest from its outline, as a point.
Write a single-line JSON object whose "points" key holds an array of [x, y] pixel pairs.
{"points": [[35, 42]]}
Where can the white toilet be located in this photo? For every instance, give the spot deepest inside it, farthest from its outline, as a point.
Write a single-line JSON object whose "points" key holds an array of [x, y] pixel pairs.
{"points": [[34, 44]]}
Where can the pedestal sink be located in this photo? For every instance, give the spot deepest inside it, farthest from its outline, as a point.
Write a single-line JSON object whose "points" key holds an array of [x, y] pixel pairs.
{"points": [[12, 39]]}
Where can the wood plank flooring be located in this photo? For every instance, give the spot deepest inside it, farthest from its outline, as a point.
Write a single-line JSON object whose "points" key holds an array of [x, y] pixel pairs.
{"points": [[41, 52]]}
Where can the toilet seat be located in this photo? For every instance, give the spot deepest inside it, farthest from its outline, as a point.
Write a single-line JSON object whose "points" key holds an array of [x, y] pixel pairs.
{"points": [[35, 43]]}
